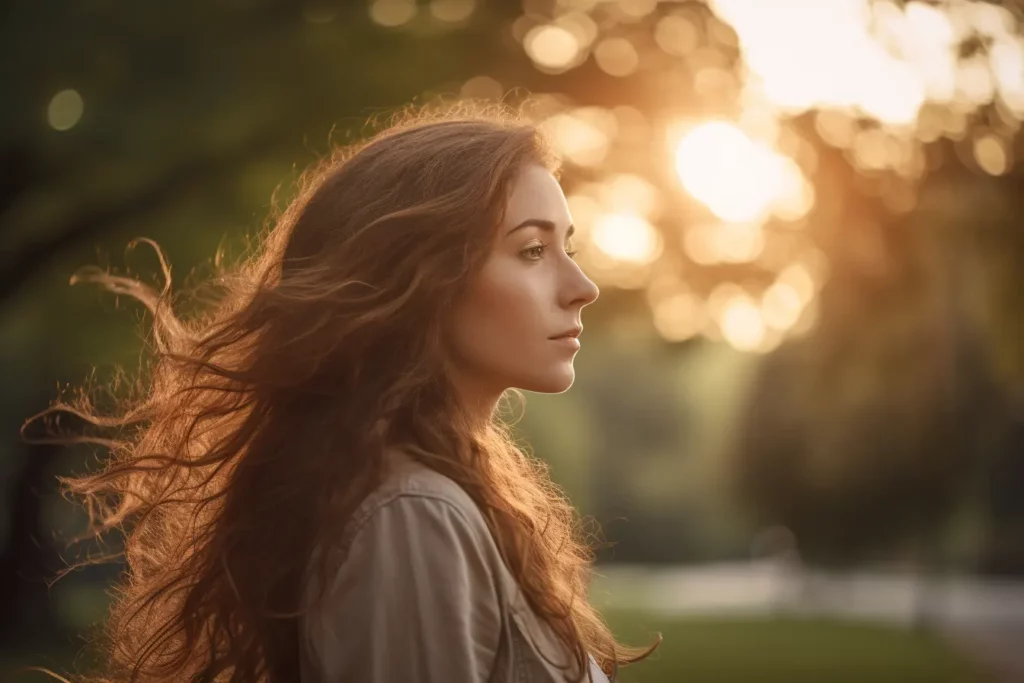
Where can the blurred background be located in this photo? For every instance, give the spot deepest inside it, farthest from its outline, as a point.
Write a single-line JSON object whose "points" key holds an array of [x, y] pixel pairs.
{"points": [[798, 416]]}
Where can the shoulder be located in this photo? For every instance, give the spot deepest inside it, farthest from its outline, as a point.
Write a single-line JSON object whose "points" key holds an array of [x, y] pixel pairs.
{"points": [[419, 574], [408, 476], [426, 498]]}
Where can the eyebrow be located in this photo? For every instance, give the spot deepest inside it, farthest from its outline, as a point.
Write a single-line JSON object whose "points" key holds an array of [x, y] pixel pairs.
{"points": [[542, 224]]}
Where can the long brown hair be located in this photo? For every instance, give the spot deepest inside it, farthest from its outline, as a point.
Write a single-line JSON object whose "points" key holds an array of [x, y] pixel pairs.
{"points": [[251, 416]]}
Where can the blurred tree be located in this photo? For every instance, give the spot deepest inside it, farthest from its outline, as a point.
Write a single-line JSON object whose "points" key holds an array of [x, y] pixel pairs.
{"points": [[872, 429]]}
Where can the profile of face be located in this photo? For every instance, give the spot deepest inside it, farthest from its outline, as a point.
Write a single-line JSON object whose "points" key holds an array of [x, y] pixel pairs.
{"points": [[518, 323]]}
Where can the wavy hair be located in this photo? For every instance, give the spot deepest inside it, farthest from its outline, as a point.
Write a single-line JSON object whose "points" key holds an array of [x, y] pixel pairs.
{"points": [[323, 346]]}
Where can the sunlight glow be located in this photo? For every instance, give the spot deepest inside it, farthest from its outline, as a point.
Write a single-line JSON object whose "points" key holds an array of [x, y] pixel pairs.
{"points": [[637, 9], [452, 10], [712, 243], [739, 319], [877, 58], [625, 192], [482, 87], [581, 26], [741, 323], [616, 57], [552, 47], [392, 12], [990, 153], [879, 80], [627, 237], [676, 35], [1007, 58], [698, 243], [797, 278], [781, 306], [579, 137], [740, 180], [808, 320], [678, 316], [584, 210], [65, 110], [831, 58]]}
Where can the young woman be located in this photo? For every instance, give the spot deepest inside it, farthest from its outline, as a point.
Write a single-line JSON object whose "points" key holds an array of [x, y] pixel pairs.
{"points": [[318, 487]]}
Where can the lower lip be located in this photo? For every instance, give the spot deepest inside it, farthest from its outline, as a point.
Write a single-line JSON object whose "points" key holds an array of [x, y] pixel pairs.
{"points": [[568, 342]]}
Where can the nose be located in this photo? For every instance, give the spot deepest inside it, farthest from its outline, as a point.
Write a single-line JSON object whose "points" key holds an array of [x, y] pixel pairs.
{"points": [[580, 290]]}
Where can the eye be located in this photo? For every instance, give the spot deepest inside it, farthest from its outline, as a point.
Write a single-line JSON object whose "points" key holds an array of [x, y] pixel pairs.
{"points": [[534, 253]]}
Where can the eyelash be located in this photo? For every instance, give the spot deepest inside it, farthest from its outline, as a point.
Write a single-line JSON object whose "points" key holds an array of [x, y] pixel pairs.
{"points": [[542, 247]]}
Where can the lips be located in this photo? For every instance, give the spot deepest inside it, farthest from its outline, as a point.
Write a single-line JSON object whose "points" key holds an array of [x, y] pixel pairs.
{"points": [[573, 332]]}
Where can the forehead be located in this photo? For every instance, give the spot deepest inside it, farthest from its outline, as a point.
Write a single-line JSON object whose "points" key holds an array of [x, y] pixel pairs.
{"points": [[536, 194]]}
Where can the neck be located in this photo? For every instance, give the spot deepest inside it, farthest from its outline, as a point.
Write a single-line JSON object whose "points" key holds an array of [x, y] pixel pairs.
{"points": [[478, 399]]}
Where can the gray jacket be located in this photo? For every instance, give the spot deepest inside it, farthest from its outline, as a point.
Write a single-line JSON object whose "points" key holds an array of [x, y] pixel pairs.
{"points": [[422, 595]]}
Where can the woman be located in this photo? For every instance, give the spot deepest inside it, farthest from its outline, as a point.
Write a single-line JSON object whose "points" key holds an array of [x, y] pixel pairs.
{"points": [[322, 489]]}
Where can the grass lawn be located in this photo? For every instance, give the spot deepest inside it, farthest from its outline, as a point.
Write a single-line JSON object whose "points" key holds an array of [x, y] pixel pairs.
{"points": [[732, 650], [784, 650]]}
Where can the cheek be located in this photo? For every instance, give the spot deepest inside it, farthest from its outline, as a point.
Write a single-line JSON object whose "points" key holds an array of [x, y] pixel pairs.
{"points": [[500, 318]]}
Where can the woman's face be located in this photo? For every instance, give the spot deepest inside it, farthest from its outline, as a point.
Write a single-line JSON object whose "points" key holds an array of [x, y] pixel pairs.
{"points": [[509, 329]]}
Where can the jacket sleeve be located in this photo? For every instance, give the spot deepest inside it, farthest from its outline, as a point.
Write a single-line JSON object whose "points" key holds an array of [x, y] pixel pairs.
{"points": [[415, 599]]}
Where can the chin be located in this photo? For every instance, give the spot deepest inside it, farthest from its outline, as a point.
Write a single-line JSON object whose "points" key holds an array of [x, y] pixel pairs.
{"points": [[554, 382]]}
